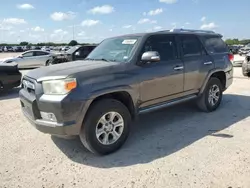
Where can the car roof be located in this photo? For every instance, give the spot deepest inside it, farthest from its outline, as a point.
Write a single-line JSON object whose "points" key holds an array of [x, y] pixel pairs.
{"points": [[175, 32]]}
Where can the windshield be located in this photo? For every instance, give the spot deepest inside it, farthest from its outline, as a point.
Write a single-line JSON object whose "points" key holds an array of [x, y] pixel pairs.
{"points": [[114, 49]]}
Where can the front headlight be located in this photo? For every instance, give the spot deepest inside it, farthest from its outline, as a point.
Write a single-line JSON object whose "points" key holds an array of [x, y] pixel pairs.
{"points": [[59, 87]]}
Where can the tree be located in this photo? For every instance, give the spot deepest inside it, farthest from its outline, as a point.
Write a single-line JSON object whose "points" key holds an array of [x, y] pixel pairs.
{"points": [[24, 43], [73, 43]]}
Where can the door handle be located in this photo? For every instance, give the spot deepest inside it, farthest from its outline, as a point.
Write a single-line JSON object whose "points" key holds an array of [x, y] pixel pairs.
{"points": [[208, 63], [178, 68]]}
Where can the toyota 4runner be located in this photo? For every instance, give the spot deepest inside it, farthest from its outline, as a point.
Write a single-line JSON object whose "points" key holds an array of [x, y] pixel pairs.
{"points": [[123, 77]]}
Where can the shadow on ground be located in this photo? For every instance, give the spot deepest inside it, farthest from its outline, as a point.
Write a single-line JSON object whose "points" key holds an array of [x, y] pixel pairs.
{"points": [[10, 94], [165, 132]]}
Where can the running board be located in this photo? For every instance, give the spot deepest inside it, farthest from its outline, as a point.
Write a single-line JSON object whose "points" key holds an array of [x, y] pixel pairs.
{"points": [[166, 104]]}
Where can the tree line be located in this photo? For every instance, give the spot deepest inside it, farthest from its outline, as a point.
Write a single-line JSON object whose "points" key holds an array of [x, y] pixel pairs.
{"points": [[237, 41], [24, 43]]}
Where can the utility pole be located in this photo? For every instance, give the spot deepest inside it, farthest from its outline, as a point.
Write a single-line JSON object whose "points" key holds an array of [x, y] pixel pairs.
{"points": [[73, 32]]}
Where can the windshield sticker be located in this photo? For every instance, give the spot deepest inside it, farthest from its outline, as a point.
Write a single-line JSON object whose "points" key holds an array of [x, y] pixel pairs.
{"points": [[129, 41]]}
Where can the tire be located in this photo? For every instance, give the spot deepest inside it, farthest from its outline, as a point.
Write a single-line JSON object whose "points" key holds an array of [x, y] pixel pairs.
{"points": [[203, 101], [49, 62], [92, 123]]}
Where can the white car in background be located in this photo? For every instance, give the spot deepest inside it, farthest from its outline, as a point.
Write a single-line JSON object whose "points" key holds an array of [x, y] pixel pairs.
{"points": [[46, 48], [30, 59]]}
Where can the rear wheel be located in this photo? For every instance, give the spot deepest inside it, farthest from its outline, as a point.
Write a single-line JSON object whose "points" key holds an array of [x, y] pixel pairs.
{"points": [[211, 98], [106, 127]]}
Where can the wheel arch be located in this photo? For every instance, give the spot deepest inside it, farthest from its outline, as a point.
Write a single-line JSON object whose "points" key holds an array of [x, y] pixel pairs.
{"points": [[218, 73]]}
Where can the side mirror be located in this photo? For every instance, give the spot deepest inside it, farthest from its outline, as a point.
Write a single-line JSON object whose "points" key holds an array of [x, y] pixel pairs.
{"points": [[150, 57]]}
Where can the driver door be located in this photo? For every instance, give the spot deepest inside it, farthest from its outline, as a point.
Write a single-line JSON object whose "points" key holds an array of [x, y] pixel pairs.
{"points": [[163, 80], [26, 60]]}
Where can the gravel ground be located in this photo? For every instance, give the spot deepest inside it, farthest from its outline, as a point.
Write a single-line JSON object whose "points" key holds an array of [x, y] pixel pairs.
{"points": [[175, 147]]}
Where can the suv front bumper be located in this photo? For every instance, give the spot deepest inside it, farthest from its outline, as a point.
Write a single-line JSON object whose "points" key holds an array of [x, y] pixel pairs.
{"points": [[69, 114]]}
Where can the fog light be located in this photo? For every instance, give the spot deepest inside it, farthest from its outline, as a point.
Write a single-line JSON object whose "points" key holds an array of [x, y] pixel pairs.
{"points": [[48, 116]]}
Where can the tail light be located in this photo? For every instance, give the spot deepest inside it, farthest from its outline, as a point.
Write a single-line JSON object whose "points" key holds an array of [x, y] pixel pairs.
{"points": [[231, 57]]}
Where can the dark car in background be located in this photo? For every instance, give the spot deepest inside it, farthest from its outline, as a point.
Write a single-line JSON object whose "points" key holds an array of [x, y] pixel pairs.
{"points": [[10, 76], [73, 54]]}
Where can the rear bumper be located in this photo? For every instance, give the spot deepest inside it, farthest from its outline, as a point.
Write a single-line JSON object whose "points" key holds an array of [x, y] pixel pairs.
{"points": [[229, 79]]}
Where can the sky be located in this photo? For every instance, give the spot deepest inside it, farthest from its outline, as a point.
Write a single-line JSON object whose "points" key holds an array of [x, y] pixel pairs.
{"points": [[94, 20]]}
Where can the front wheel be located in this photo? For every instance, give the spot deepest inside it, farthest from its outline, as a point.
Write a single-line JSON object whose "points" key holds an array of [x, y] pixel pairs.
{"points": [[106, 127], [211, 98]]}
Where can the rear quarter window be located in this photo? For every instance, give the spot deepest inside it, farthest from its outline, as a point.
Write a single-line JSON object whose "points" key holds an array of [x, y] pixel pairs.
{"points": [[215, 45]]}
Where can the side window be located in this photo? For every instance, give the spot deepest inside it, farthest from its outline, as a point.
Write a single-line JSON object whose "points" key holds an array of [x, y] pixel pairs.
{"points": [[28, 54], [215, 45], [38, 53], [165, 45], [191, 46]]}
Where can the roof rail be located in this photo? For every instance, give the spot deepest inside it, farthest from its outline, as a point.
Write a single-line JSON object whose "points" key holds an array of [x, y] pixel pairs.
{"points": [[191, 30]]}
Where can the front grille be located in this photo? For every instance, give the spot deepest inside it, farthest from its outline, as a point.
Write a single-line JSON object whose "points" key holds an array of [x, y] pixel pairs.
{"points": [[29, 85]]}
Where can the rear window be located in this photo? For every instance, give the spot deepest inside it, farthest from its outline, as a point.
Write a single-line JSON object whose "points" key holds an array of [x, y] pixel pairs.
{"points": [[215, 45]]}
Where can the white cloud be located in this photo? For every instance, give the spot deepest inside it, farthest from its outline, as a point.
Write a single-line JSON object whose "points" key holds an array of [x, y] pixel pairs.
{"points": [[25, 6], [203, 19], [105, 9], [144, 14], [111, 30], [168, 1], [187, 23], [157, 27], [155, 12], [90, 23], [211, 25], [82, 33], [37, 29], [127, 26], [22, 31], [61, 16], [146, 20], [59, 35], [14, 21], [60, 31]]}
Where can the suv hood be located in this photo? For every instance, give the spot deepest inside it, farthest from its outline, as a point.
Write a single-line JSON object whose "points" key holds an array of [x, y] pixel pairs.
{"points": [[66, 69]]}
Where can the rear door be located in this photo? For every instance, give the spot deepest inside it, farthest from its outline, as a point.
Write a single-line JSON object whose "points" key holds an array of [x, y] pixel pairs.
{"points": [[41, 58], [197, 63]]}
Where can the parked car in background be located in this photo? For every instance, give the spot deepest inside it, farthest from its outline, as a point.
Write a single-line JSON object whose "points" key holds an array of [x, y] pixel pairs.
{"points": [[29, 59], [238, 61], [18, 49], [124, 77], [246, 66], [10, 76], [65, 48], [8, 49], [1, 49], [73, 54], [46, 48], [234, 48], [245, 50]]}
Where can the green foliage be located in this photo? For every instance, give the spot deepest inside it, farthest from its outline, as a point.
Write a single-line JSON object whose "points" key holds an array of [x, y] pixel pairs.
{"points": [[24, 43], [237, 41], [73, 43]]}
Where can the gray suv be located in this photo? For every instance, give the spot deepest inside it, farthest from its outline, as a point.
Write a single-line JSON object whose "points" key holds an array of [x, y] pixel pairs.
{"points": [[123, 77]]}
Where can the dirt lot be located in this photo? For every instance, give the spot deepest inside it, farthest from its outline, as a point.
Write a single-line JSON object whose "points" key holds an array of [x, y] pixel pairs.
{"points": [[175, 147]]}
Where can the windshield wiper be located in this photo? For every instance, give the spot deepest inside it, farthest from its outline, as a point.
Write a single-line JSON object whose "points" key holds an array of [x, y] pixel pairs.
{"points": [[102, 59]]}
